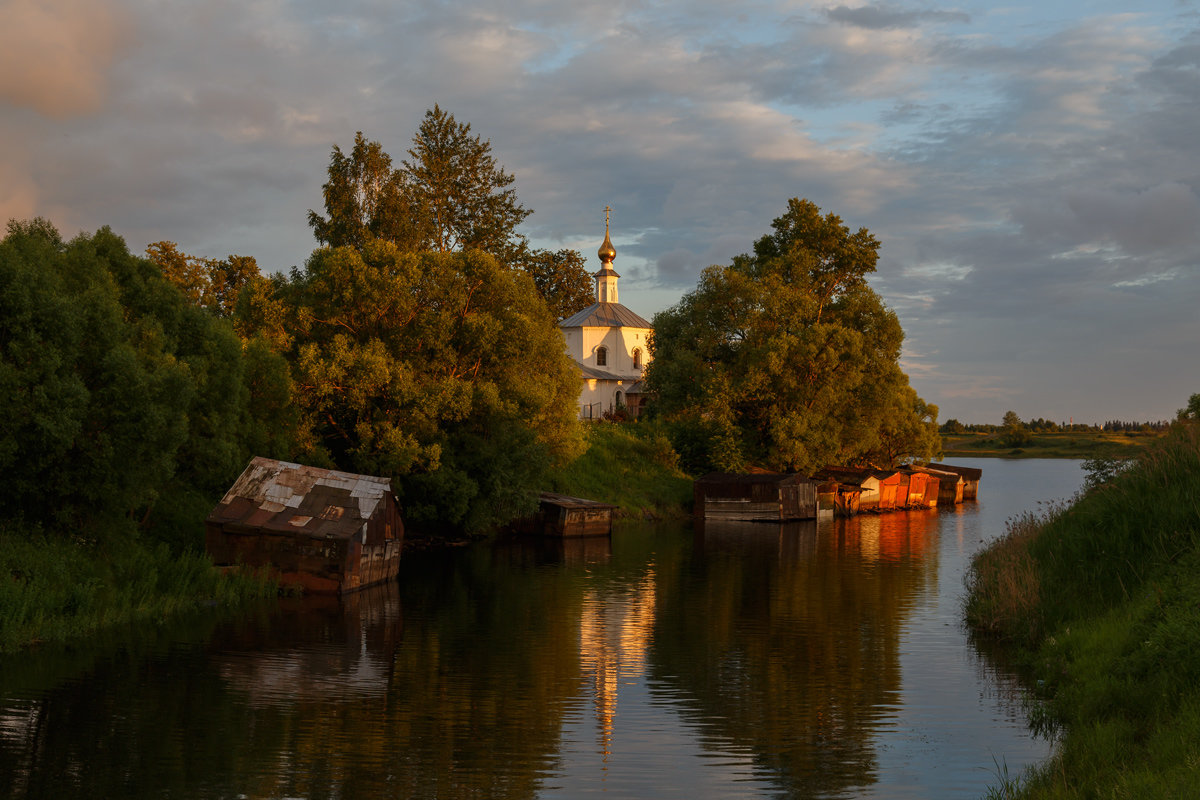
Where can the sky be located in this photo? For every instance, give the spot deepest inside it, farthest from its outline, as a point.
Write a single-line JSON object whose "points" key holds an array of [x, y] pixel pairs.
{"points": [[1032, 170]]}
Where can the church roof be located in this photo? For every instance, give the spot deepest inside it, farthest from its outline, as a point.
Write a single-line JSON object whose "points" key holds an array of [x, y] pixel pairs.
{"points": [[604, 315], [591, 373]]}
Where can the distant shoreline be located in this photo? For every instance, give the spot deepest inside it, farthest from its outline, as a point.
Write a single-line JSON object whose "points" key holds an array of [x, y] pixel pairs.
{"points": [[1049, 445]]}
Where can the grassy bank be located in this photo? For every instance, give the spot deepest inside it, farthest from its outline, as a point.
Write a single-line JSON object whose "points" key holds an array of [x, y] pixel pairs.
{"points": [[632, 466], [1049, 445], [54, 588], [1100, 599]]}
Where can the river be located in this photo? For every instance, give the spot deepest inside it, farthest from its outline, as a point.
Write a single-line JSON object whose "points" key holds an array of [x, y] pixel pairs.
{"points": [[810, 660]]}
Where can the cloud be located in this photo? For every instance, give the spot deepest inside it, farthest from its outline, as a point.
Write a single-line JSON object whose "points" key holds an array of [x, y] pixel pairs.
{"points": [[55, 55], [1030, 172], [885, 17]]}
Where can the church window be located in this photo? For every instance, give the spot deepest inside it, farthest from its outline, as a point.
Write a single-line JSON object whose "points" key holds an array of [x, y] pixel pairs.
{"points": [[637, 358], [601, 356]]}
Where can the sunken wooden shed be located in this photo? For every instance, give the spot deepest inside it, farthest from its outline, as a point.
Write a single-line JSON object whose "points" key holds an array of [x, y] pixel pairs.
{"points": [[328, 531], [756, 497]]}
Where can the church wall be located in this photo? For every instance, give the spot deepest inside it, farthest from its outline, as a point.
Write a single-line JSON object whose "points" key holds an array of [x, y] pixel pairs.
{"points": [[599, 396], [621, 342]]}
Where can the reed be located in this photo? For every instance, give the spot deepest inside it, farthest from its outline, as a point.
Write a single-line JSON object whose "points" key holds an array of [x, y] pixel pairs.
{"points": [[55, 588], [1102, 600]]}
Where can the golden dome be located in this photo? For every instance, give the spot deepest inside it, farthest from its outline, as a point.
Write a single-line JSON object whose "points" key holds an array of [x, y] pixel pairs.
{"points": [[606, 252]]}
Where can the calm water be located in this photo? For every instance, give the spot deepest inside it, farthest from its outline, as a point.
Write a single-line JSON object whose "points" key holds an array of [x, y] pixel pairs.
{"points": [[801, 661]]}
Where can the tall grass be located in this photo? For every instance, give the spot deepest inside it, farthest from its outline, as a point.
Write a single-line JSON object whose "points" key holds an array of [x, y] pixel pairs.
{"points": [[1100, 550], [53, 588], [1101, 599]]}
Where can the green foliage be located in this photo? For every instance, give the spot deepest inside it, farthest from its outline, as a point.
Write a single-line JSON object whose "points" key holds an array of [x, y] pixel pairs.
{"points": [[118, 391], [632, 466], [205, 282], [1015, 434], [366, 199], [560, 277], [56, 588], [787, 358], [461, 195], [1106, 616], [449, 195], [443, 370], [1192, 410]]}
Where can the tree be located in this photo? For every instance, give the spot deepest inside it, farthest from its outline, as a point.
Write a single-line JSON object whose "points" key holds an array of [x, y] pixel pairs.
{"points": [[1014, 433], [365, 198], [120, 394], [444, 371], [561, 279], [1192, 410], [208, 283], [459, 192], [788, 359]]}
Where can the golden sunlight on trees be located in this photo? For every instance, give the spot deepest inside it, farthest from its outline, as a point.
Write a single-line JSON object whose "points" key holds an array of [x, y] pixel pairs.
{"points": [[788, 359], [449, 195], [444, 370]]}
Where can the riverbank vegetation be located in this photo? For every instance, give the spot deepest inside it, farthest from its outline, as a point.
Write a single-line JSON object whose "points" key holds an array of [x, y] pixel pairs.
{"points": [[1083, 444], [57, 588], [1099, 598], [1042, 438], [632, 466]]}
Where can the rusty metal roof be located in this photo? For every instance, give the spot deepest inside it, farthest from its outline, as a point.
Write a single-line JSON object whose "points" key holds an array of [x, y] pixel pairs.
{"points": [[282, 497]]}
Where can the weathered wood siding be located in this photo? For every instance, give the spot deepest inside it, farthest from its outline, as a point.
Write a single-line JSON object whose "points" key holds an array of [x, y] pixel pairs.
{"points": [[755, 497]]}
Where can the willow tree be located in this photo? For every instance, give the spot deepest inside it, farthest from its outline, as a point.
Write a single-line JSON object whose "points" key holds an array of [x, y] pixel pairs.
{"points": [[787, 358]]}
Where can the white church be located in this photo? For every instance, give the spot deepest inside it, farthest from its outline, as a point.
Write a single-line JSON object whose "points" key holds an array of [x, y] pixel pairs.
{"points": [[609, 343]]}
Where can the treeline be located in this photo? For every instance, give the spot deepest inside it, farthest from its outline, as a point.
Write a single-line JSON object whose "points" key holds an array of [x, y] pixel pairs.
{"points": [[137, 388], [1039, 425], [418, 341]]}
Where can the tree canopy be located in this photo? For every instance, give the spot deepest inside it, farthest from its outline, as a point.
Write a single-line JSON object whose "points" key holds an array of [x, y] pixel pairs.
{"points": [[560, 277], [788, 359], [449, 195], [117, 391], [445, 371]]}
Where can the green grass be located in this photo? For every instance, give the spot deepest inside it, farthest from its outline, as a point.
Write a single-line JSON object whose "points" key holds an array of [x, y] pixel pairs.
{"points": [[1101, 601], [632, 466], [1050, 445], [54, 588]]}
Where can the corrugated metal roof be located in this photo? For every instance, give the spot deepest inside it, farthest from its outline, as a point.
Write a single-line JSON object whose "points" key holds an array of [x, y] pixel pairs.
{"points": [[284, 497], [604, 315]]}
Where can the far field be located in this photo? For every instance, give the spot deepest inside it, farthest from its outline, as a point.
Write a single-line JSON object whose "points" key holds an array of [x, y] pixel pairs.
{"points": [[1049, 445]]}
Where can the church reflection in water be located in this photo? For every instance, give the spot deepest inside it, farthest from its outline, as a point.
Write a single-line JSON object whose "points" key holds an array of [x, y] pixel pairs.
{"points": [[615, 629]]}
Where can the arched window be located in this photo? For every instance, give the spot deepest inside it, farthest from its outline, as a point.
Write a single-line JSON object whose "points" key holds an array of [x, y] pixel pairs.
{"points": [[601, 356], [637, 358]]}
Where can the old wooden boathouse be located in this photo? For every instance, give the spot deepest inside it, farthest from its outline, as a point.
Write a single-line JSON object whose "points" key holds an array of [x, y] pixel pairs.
{"points": [[970, 476], [327, 531], [755, 497], [561, 515]]}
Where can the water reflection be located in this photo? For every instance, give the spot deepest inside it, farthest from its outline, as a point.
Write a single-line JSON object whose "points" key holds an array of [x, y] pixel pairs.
{"points": [[734, 660]]}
